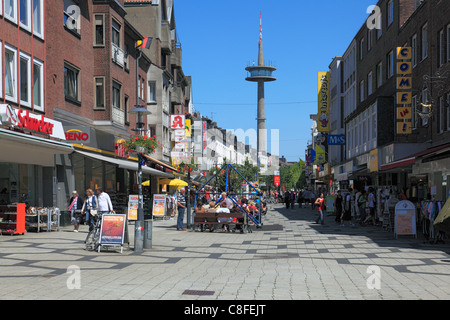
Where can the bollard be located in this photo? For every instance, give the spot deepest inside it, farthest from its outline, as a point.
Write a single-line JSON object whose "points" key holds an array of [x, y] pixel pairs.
{"points": [[148, 225]]}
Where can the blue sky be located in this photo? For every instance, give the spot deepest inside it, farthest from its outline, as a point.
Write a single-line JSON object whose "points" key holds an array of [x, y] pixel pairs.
{"points": [[300, 37]]}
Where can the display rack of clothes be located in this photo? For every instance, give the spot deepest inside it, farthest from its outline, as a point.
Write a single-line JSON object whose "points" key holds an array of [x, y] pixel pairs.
{"points": [[429, 210]]}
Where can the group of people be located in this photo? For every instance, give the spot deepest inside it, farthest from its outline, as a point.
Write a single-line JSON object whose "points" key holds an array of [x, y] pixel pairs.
{"points": [[355, 206], [85, 210], [225, 204], [301, 197]]}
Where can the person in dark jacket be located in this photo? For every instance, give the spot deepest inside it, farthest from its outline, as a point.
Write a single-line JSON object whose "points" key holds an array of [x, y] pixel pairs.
{"points": [[75, 205]]}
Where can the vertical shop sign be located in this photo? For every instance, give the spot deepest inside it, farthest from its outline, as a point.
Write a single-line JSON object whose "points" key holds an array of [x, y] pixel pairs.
{"points": [[177, 121], [404, 90], [204, 134], [323, 114]]}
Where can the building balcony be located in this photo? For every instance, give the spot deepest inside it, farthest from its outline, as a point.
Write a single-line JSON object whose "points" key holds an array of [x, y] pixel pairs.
{"points": [[176, 58], [118, 55], [177, 95], [118, 116], [166, 38]]}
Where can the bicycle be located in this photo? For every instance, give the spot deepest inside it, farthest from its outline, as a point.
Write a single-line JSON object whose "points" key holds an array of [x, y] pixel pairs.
{"points": [[93, 238]]}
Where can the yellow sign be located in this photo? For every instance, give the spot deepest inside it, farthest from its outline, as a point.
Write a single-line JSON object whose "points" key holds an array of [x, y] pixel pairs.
{"points": [[404, 113], [373, 160], [404, 53], [320, 155], [404, 83], [404, 128], [404, 67], [404, 97], [323, 114], [188, 127]]}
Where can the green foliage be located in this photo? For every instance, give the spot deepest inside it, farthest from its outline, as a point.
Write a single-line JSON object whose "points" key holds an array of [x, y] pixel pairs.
{"points": [[293, 175]]}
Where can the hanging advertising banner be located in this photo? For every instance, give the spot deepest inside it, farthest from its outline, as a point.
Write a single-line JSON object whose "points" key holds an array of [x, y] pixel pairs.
{"points": [[323, 114], [320, 155], [404, 90], [205, 127], [188, 128], [159, 205], [276, 181], [373, 160]]}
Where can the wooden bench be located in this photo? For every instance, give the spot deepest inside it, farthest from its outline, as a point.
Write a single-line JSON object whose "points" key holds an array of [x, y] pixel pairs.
{"points": [[209, 220]]}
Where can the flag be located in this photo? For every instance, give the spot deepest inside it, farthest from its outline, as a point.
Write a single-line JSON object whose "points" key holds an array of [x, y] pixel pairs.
{"points": [[144, 43]]}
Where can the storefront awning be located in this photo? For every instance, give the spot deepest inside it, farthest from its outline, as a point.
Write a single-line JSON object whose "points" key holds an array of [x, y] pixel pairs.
{"points": [[399, 164], [126, 164], [409, 161], [165, 165], [24, 148]]}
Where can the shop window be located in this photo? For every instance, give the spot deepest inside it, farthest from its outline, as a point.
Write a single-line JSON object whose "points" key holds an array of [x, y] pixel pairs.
{"points": [[390, 11], [116, 33], [151, 91], [38, 85], [414, 50], [441, 52], [71, 83], [116, 92], [38, 18], [25, 79], [78, 165], [10, 73], [390, 64], [424, 41], [379, 74], [11, 10], [25, 14], [99, 93], [99, 35]]}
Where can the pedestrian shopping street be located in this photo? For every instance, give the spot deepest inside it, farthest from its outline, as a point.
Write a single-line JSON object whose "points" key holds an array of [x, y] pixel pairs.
{"points": [[291, 257]]}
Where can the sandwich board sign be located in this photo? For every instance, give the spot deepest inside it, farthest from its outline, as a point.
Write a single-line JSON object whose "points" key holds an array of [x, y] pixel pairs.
{"points": [[405, 219]]}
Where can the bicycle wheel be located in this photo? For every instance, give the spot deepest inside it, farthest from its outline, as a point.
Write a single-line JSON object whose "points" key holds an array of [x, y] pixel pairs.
{"points": [[92, 239]]}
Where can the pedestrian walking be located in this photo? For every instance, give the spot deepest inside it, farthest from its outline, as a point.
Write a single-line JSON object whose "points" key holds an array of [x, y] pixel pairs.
{"points": [[370, 208], [181, 204], [362, 203], [287, 199], [300, 199], [75, 205], [348, 212], [313, 198], [89, 208], [338, 206], [104, 201], [292, 198], [320, 202]]}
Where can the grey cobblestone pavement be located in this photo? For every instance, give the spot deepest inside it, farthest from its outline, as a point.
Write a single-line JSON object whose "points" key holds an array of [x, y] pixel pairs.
{"points": [[290, 258]]}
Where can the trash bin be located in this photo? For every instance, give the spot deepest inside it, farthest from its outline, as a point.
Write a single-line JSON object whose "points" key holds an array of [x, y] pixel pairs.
{"points": [[148, 225]]}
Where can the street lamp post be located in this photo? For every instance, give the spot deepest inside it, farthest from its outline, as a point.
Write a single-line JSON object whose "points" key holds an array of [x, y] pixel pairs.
{"points": [[140, 111]]}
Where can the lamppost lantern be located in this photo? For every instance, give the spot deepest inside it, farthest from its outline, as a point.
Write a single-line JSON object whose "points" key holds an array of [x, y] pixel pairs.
{"points": [[139, 111], [139, 231]]}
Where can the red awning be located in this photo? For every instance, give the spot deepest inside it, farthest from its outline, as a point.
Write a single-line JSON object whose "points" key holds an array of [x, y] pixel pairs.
{"points": [[408, 161], [399, 164]]}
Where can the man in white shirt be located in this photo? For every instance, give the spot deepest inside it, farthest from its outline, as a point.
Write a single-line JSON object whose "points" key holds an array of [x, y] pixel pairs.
{"points": [[104, 201]]}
